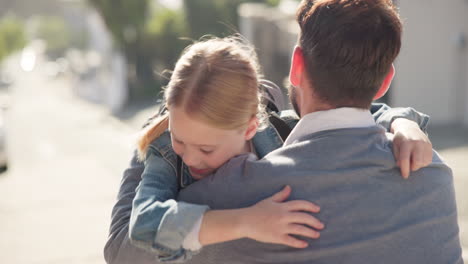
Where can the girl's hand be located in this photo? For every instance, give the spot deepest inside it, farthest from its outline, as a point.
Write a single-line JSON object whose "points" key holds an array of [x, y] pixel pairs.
{"points": [[411, 146], [274, 221]]}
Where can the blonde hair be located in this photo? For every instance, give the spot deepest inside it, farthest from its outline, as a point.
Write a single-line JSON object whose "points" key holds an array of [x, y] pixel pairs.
{"points": [[215, 81]]}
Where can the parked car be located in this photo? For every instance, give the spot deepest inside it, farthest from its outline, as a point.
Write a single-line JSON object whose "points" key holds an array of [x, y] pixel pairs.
{"points": [[5, 80], [4, 101]]}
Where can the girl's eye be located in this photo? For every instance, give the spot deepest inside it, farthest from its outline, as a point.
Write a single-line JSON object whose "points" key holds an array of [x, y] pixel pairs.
{"points": [[178, 141], [206, 151]]}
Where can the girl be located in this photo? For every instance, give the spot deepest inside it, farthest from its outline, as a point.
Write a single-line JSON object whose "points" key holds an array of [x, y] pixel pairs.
{"points": [[214, 112]]}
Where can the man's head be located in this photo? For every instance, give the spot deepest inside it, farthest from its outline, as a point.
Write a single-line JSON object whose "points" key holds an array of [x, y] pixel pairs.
{"points": [[345, 52]]}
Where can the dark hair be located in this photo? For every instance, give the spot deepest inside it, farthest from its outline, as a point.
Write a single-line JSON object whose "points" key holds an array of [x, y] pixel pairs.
{"points": [[349, 47]]}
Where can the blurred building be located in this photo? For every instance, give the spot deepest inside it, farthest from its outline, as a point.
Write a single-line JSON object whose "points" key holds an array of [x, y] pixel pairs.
{"points": [[432, 68], [26, 8], [273, 32], [97, 69], [432, 72]]}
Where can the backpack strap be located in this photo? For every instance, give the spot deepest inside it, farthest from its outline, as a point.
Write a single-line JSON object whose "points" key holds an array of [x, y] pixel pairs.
{"points": [[272, 96], [283, 129]]}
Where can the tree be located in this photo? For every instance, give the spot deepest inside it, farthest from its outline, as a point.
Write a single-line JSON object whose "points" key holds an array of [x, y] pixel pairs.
{"points": [[215, 17], [150, 35], [126, 21], [12, 36]]}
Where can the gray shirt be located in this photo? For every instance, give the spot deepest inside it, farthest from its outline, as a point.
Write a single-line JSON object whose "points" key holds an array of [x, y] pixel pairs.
{"points": [[371, 214]]}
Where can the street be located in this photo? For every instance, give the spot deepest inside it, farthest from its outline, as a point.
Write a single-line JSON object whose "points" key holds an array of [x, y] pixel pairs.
{"points": [[66, 158]]}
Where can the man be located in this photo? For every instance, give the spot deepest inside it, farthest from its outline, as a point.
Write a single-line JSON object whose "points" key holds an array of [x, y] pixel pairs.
{"points": [[336, 157]]}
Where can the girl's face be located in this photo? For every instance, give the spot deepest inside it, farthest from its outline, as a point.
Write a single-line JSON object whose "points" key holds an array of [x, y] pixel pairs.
{"points": [[204, 148]]}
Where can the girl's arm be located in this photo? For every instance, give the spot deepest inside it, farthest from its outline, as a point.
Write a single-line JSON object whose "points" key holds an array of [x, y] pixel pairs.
{"points": [[384, 115], [271, 221], [160, 224], [411, 146]]}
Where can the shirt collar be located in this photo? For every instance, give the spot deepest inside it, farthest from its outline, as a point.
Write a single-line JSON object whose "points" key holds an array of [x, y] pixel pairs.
{"points": [[345, 117]]}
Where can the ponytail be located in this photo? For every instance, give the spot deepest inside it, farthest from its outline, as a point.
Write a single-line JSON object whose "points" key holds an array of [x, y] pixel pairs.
{"points": [[150, 133]]}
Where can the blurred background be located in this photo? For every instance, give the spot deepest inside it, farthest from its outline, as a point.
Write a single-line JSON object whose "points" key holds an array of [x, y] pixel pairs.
{"points": [[78, 78]]}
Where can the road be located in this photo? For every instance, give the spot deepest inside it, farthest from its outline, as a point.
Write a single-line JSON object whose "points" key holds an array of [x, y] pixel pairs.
{"points": [[66, 160]]}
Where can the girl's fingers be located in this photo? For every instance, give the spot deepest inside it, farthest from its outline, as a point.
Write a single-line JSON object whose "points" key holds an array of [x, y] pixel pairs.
{"points": [[301, 205], [281, 195], [404, 160], [417, 159], [428, 156], [293, 242], [306, 219], [396, 152], [300, 230]]}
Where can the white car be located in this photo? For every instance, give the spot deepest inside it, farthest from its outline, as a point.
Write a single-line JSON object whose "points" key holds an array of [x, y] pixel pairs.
{"points": [[3, 150]]}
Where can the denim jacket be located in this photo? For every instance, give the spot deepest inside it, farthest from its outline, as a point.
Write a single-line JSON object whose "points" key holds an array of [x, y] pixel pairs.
{"points": [[159, 223]]}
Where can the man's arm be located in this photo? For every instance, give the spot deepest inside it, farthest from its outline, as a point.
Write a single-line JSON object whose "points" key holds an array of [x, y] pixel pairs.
{"points": [[118, 248]]}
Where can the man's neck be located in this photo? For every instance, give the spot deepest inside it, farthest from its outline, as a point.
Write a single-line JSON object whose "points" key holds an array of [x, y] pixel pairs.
{"points": [[330, 119], [319, 107], [315, 107]]}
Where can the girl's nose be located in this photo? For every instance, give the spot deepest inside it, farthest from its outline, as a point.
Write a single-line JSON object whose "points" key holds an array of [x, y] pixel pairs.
{"points": [[190, 158]]}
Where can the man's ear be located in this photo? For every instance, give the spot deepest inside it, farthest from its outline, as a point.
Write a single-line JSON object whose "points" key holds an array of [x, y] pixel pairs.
{"points": [[251, 128], [297, 66], [386, 83]]}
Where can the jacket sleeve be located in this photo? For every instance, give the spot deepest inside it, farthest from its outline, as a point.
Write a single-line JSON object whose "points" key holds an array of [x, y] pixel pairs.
{"points": [[384, 115], [153, 231], [159, 223]]}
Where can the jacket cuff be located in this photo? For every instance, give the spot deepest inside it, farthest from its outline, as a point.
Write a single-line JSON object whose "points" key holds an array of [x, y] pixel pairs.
{"points": [[176, 224], [386, 118], [192, 241]]}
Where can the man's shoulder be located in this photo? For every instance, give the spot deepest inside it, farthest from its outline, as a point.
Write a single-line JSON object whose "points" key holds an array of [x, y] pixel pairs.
{"points": [[366, 203], [244, 174]]}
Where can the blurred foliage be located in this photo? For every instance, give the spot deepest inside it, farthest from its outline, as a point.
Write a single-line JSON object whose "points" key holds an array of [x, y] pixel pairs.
{"points": [[215, 17], [159, 48], [55, 33], [125, 19], [12, 36], [151, 35], [164, 31]]}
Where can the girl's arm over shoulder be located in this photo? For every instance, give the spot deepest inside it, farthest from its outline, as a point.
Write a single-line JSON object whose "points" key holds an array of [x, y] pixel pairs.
{"points": [[384, 115], [162, 225], [272, 220], [411, 146]]}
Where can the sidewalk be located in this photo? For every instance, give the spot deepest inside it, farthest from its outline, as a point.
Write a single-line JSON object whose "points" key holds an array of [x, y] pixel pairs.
{"points": [[66, 159]]}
